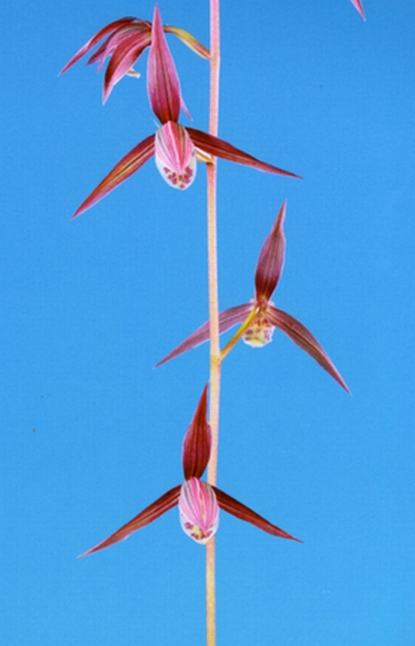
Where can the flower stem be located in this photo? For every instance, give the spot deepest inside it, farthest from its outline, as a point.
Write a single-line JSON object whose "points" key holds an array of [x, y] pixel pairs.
{"points": [[215, 359], [234, 340]]}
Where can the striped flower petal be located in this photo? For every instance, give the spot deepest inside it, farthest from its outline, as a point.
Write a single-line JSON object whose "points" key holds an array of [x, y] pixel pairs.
{"points": [[197, 442], [199, 510], [359, 7], [227, 319], [128, 165], [220, 148], [124, 57], [162, 80], [125, 41], [175, 155], [237, 509], [150, 513], [304, 339], [271, 259], [112, 28]]}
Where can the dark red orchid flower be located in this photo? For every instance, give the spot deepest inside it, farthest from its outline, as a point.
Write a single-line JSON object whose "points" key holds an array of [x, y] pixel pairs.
{"points": [[260, 317], [359, 6], [125, 40], [175, 147], [198, 501]]}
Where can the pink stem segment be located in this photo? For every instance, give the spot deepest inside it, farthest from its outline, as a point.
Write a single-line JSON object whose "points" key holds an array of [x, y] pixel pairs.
{"points": [[215, 359]]}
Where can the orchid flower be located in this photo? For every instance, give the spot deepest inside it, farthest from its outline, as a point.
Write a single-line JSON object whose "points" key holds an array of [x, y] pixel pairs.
{"points": [[126, 40], [359, 7], [198, 501], [175, 147], [260, 317]]}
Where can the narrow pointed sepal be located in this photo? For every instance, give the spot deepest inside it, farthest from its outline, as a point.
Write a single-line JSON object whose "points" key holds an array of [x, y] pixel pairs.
{"points": [[199, 510], [128, 165], [236, 508], [126, 54], [175, 155], [305, 340], [227, 319], [126, 40], [271, 259], [112, 28], [197, 442], [162, 80], [359, 7], [150, 513], [220, 148]]}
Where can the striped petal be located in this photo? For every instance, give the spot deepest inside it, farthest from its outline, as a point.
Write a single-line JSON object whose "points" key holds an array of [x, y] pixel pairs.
{"points": [[199, 511], [359, 7], [150, 513], [128, 165], [136, 29], [227, 319], [111, 28], [220, 148], [271, 259], [125, 41], [175, 155], [197, 442], [243, 512], [123, 58], [162, 80], [304, 339]]}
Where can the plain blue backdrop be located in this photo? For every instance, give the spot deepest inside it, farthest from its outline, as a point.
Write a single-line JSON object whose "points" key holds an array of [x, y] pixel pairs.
{"points": [[91, 434]]}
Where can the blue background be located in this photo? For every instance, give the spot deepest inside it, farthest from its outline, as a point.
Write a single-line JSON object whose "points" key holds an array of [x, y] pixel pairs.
{"points": [[90, 433]]}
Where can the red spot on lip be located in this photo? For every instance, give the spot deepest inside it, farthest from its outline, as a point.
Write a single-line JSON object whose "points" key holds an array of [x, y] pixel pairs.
{"points": [[180, 181]]}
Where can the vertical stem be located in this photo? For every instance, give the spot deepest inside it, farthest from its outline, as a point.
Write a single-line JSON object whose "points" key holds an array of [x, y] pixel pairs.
{"points": [[212, 243], [213, 311]]}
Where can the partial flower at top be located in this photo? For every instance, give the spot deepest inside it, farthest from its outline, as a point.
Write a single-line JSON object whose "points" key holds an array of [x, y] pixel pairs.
{"points": [[260, 317], [198, 501], [175, 147], [359, 6], [125, 41]]}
